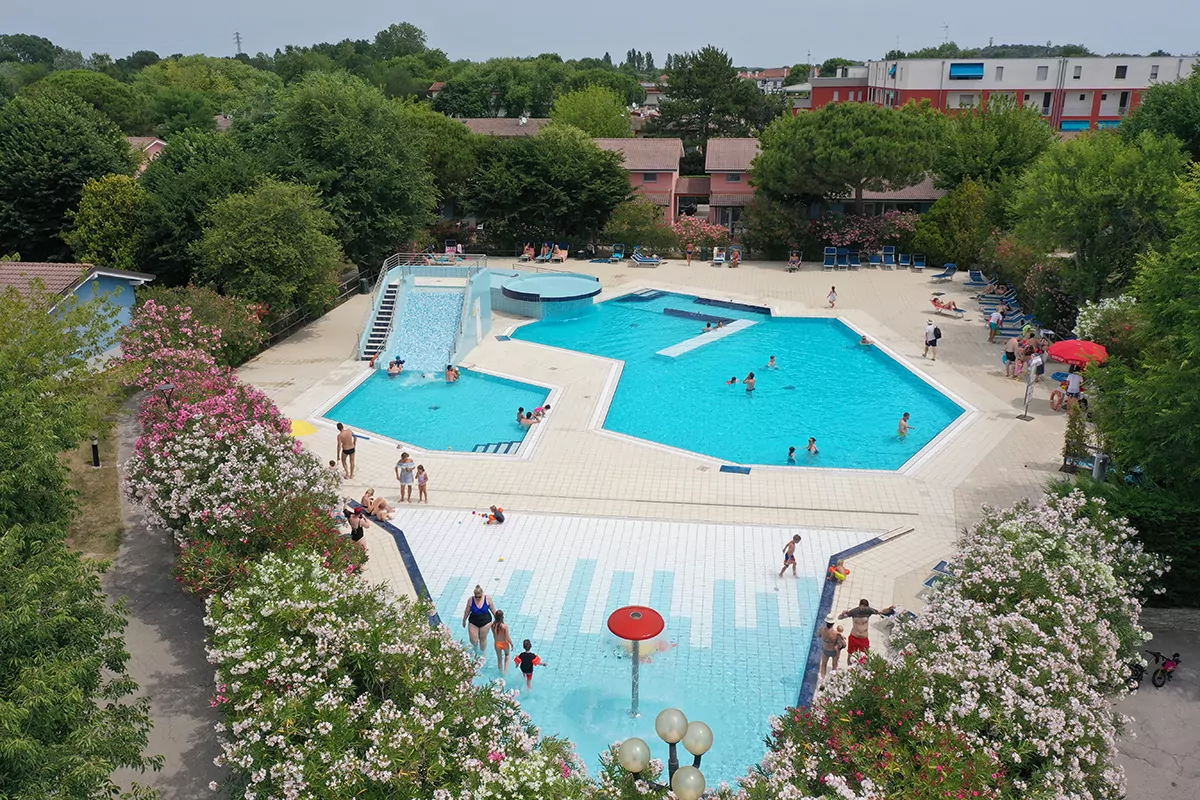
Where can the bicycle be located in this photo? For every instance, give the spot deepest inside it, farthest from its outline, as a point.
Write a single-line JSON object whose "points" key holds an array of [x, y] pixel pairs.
{"points": [[1161, 675]]}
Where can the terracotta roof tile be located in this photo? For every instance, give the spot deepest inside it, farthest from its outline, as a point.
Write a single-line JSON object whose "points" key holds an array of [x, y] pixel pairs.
{"points": [[646, 155], [730, 155], [58, 278], [504, 126], [923, 191], [658, 198], [142, 143]]}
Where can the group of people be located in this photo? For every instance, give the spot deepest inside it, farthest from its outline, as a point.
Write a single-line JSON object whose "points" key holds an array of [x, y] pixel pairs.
{"points": [[902, 431], [481, 617], [832, 640], [410, 473], [396, 367], [527, 419], [1020, 352]]}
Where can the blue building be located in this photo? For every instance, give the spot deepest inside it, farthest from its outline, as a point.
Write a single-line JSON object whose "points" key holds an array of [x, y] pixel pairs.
{"points": [[84, 282]]}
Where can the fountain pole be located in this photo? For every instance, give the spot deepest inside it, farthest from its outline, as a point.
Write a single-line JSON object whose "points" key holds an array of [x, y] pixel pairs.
{"points": [[636, 624]]}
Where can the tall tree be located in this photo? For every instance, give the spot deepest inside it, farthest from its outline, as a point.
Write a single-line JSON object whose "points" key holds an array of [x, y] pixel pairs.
{"points": [[595, 110], [51, 144], [1169, 108], [843, 149], [704, 97], [110, 97], [830, 66], [958, 226], [227, 83], [450, 150], [1103, 200], [991, 143], [271, 245], [799, 73], [400, 39], [108, 227], [558, 183], [336, 133]]}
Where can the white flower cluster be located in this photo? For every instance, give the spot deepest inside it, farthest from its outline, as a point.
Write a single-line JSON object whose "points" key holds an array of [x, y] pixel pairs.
{"points": [[333, 688], [1093, 315]]}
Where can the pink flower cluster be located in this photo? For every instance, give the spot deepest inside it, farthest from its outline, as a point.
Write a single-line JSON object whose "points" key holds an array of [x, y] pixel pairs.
{"points": [[868, 234]]}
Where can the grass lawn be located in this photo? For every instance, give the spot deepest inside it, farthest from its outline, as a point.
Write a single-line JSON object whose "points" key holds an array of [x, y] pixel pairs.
{"points": [[96, 532]]}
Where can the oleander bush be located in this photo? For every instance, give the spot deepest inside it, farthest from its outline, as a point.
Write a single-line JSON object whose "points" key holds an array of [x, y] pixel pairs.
{"points": [[334, 688], [238, 321]]}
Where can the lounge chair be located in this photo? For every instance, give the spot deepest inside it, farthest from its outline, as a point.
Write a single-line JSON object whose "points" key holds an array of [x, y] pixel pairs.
{"points": [[1008, 298], [905, 261], [451, 247], [855, 261], [618, 253], [975, 279], [718, 255], [875, 260], [889, 257], [830, 257], [843, 258], [543, 258], [947, 274], [642, 259], [918, 261], [956, 312], [735, 255], [559, 254]]}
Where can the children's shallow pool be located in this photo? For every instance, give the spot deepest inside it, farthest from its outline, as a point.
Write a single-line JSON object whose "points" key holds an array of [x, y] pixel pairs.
{"points": [[675, 388]]}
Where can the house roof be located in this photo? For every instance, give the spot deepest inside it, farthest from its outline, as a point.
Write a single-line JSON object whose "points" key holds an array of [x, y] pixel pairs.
{"points": [[730, 199], [144, 143], [771, 73], [61, 279], [504, 126], [694, 185], [923, 191], [437, 86], [730, 155], [658, 198], [646, 155]]}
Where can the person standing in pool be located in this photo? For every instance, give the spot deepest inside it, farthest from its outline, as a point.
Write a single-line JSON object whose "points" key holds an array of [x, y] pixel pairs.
{"points": [[749, 382], [791, 455], [405, 468], [904, 426], [478, 614], [502, 640], [771, 364], [789, 556], [812, 446], [527, 660]]}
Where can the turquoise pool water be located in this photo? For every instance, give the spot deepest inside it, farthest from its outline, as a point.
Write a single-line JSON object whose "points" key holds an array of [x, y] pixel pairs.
{"points": [[434, 415], [826, 385]]}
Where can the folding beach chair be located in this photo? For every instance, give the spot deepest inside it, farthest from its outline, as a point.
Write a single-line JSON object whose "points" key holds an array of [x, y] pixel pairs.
{"points": [[718, 255], [918, 262], [905, 261], [618, 253], [855, 261], [875, 260], [889, 257]]}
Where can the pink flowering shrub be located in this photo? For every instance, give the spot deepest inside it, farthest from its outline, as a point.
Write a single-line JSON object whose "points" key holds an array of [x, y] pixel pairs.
{"points": [[701, 233], [1018, 659], [237, 322], [868, 234], [333, 687]]}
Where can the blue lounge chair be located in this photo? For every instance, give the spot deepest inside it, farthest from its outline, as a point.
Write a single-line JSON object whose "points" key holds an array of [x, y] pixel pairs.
{"points": [[830, 257], [1008, 298], [640, 258], [855, 261], [618, 253], [875, 260], [889, 257], [718, 255], [843, 258], [918, 261], [905, 261], [975, 278], [947, 274]]}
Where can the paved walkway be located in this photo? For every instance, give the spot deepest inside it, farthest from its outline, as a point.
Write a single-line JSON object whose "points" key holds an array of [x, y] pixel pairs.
{"points": [[165, 639]]}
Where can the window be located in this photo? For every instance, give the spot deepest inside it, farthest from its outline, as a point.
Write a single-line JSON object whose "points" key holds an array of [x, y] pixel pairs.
{"points": [[1078, 73], [1103, 97], [1082, 97], [1121, 70], [999, 73], [836, 94], [1043, 73], [733, 177], [650, 177], [1154, 72], [1026, 98], [966, 101]]}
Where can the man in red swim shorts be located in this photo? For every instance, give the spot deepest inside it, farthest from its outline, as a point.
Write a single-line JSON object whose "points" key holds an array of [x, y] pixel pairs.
{"points": [[859, 632]]}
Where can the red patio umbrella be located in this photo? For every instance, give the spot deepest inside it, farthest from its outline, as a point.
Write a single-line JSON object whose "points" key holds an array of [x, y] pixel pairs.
{"points": [[1078, 351]]}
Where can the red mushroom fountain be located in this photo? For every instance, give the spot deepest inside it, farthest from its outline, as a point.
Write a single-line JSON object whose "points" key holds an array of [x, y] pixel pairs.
{"points": [[636, 624]]}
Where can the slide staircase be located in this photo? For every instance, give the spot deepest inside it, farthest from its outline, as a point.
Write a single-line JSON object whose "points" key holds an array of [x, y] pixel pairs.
{"points": [[381, 324]]}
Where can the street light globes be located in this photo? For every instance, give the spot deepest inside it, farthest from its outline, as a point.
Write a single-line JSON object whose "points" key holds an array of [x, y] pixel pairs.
{"points": [[688, 783], [698, 739], [634, 755], [671, 725]]}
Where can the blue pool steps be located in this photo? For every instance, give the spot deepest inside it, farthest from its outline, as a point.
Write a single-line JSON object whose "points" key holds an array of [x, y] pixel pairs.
{"points": [[676, 312], [735, 470], [644, 296], [503, 448], [704, 301]]}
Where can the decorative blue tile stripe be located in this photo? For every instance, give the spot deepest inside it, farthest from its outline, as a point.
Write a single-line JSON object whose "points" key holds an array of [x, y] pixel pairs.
{"points": [[704, 301], [812, 670], [410, 564], [736, 470], [675, 312], [503, 338]]}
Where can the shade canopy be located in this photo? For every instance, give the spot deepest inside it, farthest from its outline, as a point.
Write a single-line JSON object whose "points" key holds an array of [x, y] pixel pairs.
{"points": [[636, 623], [1079, 352]]}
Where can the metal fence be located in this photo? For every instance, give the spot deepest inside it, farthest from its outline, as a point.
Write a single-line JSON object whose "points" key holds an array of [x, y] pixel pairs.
{"points": [[293, 321]]}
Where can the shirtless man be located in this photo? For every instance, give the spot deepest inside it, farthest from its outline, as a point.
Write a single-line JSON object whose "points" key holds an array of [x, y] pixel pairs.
{"points": [[905, 427], [789, 556], [345, 449], [859, 632]]}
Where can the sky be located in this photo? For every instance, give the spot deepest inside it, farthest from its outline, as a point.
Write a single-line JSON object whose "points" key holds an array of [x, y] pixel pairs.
{"points": [[762, 33]]}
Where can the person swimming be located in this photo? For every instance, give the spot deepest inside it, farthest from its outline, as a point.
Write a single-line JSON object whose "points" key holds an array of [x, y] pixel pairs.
{"points": [[865, 342], [791, 455], [749, 382], [771, 364], [731, 381], [812, 445]]}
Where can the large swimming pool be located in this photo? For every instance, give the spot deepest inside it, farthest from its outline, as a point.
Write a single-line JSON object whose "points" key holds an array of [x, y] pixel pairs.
{"points": [[826, 384], [479, 410]]}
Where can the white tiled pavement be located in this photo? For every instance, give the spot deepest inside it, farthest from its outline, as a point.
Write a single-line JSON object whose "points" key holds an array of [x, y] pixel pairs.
{"points": [[578, 471]]}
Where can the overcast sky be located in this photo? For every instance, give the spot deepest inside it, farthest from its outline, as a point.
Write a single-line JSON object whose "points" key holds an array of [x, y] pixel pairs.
{"points": [[760, 33]]}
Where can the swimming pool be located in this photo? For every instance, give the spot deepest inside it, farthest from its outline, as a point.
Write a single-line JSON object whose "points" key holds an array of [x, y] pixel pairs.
{"points": [[477, 410], [826, 384]]}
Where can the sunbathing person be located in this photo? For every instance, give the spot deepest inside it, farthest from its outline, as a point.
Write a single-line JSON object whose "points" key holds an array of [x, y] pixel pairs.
{"points": [[945, 305], [794, 261], [545, 256], [996, 288], [377, 506]]}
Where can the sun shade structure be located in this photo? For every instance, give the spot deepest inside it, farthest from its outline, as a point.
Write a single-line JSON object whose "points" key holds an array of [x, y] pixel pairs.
{"points": [[636, 624]]}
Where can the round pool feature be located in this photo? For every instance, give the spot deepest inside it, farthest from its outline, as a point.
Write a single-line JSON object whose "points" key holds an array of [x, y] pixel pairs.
{"points": [[636, 624], [552, 288]]}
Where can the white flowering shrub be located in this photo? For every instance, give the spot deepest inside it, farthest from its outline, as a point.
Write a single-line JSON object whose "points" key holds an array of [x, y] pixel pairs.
{"points": [[1002, 687], [1112, 322], [332, 688]]}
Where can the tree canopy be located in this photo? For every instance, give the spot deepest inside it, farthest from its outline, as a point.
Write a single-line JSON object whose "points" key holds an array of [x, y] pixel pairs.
{"points": [[844, 148], [1104, 201], [958, 226], [1169, 109], [596, 110], [991, 143], [108, 227], [51, 144], [112, 98]]}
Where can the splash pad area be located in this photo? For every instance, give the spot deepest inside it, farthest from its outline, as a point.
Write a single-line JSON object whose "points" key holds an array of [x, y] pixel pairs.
{"points": [[735, 637]]}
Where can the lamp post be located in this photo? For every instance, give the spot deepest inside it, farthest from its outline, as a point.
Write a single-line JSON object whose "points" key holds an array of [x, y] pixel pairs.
{"points": [[167, 389], [95, 451], [672, 727]]}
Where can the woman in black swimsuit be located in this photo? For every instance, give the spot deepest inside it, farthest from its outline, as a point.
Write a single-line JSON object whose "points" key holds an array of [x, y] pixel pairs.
{"points": [[479, 614]]}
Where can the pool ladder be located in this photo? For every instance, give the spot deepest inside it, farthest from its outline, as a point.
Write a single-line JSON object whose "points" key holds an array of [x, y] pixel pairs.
{"points": [[503, 448]]}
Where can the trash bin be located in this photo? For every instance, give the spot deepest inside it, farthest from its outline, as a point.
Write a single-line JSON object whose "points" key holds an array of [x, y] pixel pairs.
{"points": [[364, 285], [1100, 467]]}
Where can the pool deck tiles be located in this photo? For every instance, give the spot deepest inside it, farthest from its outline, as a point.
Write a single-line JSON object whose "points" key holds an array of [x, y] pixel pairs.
{"points": [[688, 345]]}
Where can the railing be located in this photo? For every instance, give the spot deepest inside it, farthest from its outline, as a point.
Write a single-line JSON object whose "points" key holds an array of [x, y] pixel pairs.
{"points": [[294, 320]]}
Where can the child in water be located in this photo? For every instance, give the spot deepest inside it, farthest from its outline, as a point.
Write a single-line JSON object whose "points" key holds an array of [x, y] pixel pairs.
{"points": [[791, 455], [526, 660], [503, 642]]}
